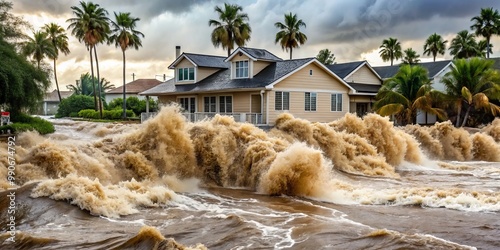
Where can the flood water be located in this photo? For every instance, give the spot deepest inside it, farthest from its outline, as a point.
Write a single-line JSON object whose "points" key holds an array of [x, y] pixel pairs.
{"points": [[169, 184]]}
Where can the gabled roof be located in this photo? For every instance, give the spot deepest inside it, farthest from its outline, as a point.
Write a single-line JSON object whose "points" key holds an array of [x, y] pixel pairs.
{"points": [[344, 69], [136, 86], [255, 54], [434, 68], [53, 97], [221, 80], [198, 60]]}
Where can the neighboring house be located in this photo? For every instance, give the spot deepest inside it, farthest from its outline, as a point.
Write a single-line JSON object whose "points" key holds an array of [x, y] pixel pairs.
{"points": [[253, 85], [436, 72], [132, 89], [50, 102], [364, 79]]}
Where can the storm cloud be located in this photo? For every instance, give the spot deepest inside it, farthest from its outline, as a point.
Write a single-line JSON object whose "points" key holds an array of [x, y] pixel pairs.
{"points": [[353, 30]]}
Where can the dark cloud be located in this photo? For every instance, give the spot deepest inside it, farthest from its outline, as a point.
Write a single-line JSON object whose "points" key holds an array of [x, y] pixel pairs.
{"points": [[146, 9]]}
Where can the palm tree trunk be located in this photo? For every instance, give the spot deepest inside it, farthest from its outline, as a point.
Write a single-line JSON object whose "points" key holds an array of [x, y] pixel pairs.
{"points": [[55, 78], [98, 82], [459, 111], [434, 57], [93, 84], [466, 116], [124, 115], [392, 59], [487, 47], [291, 48]]}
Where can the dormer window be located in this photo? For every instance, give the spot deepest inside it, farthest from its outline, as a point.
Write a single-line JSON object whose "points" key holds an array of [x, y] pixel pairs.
{"points": [[185, 74], [241, 69]]}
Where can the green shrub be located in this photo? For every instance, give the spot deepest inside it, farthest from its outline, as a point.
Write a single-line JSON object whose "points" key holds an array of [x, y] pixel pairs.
{"points": [[25, 122], [74, 103], [73, 114], [134, 104]]}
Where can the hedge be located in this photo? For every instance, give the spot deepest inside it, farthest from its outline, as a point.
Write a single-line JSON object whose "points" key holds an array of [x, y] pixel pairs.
{"points": [[106, 114]]}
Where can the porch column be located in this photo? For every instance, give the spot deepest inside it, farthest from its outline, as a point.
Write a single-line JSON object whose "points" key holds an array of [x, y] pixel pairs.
{"points": [[147, 104]]}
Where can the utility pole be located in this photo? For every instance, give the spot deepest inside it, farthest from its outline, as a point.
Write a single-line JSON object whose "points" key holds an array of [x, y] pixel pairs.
{"points": [[133, 77]]}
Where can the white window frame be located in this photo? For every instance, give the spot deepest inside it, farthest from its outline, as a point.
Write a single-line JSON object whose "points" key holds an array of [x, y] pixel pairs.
{"points": [[310, 98], [282, 102], [237, 67], [184, 71], [337, 103], [210, 104], [189, 103], [225, 97]]}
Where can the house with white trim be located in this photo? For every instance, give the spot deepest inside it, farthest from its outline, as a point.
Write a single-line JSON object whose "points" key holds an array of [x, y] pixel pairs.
{"points": [[255, 86]]}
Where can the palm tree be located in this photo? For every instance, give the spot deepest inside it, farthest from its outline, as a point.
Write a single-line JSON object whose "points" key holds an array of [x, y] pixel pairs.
{"points": [[411, 57], [231, 28], [326, 57], [59, 39], [38, 47], [473, 83], [91, 27], [482, 47], [464, 45], [434, 45], [125, 36], [106, 85], [390, 50], [486, 25], [290, 35], [406, 93]]}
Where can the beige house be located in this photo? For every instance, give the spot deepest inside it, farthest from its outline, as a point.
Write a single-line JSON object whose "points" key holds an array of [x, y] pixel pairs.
{"points": [[253, 85], [364, 79]]}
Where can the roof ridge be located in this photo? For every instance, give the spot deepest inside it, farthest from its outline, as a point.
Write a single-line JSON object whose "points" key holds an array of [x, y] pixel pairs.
{"points": [[197, 54]]}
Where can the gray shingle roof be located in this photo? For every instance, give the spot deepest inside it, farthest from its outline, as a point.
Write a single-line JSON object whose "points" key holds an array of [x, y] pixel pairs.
{"points": [[432, 67], [221, 80], [344, 69], [261, 54], [207, 61]]}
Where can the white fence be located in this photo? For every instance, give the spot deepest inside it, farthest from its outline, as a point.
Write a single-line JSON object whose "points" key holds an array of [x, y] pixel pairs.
{"points": [[254, 118]]}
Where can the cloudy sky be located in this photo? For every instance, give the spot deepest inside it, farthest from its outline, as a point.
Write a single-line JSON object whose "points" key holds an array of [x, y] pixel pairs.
{"points": [[353, 30]]}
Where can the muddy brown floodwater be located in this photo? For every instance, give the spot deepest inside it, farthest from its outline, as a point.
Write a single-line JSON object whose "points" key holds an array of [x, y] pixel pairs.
{"points": [[355, 183]]}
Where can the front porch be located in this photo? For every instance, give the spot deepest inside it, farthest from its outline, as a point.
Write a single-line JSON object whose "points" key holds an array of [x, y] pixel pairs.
{"points": [[253, 118]]}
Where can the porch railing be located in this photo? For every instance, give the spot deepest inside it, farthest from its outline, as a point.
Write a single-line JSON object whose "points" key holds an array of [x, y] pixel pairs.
{"points": [[254, 118]]}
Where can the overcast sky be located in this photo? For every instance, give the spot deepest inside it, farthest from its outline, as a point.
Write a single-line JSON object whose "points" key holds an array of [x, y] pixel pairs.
{"points": [[353, 30]]}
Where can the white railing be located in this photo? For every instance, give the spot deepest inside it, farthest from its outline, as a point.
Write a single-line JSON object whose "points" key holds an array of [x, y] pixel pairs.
{"points": [[254, 118]]}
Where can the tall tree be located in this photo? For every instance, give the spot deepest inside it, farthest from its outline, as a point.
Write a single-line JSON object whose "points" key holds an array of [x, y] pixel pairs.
{"points": [[326, 57], [487, 24], [22, 84], [84, 86], [59, 40], [434, 45], [290, 35], [125, 36], [38, 47], [411, 56], [90, 26], [482, 48], [472, 84], [231, 28], [11, 26], [464, 45], [406, 93], [390, 50]]}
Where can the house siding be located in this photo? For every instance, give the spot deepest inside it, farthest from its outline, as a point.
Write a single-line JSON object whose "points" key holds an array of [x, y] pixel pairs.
{"points": [[319, 82], [166, 99], [202, 73], [364, 75], [258, 66]]}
